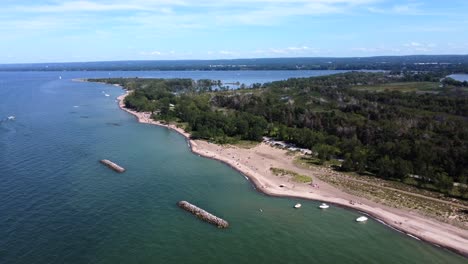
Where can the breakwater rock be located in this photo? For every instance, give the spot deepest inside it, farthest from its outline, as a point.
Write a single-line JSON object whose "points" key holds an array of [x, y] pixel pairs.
{"points": [[204, 215]]}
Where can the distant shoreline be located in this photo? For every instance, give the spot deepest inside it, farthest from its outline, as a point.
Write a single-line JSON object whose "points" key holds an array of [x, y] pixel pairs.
{"points": [[414, 225], [410, 62]]}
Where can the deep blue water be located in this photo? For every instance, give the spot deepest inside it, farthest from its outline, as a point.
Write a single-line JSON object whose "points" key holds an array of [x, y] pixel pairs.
{"points": [[59, 205]]}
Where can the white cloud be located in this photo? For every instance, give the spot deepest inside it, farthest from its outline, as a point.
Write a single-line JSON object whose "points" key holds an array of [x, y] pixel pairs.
{"points": [[419, 47], [288, 51], [412, 47], [151, 53], [267, 12], [186, 24], [97, 6], [234, 11], [163, 17], [227, 52], [410, 8], [303, 48], [451, 27], [402, 9], [412, 44], [377, 50], [148, 5]]}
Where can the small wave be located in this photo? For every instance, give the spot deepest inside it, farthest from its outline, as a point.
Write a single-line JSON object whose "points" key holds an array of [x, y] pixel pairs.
{"points": [[5, 124], [9, 118], [387, 225], [380, 221], [415, 237]]}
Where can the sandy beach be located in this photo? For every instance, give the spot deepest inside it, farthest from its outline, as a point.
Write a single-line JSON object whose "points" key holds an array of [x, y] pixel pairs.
{"points": [[255, 163]]}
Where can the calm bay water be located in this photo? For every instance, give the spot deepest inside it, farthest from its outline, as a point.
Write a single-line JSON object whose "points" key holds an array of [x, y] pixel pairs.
{"points": [[460, 77], [59, 205]]}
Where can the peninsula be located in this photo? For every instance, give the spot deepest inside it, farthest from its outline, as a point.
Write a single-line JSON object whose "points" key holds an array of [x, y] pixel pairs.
{"points": [[326, 175]]}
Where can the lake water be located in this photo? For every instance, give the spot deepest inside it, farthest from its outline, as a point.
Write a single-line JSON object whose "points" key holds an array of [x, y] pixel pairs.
{"points": [[459, 77], [59, 205]]}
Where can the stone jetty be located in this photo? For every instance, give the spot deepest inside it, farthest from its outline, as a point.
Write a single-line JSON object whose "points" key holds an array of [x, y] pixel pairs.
{"points": [[112, 165], [202, 214]]}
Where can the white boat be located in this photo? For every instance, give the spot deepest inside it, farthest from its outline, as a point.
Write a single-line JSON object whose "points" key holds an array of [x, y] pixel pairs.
{"points": [[361, 219], [324, 206], [11, 118], [297, 206], [107, 95]]}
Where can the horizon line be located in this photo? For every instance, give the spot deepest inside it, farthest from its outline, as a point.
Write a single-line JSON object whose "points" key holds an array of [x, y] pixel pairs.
{"points": [[234, 59]]}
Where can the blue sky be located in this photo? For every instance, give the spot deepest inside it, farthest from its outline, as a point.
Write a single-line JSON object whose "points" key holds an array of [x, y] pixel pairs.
{"points": [[96, 30]]}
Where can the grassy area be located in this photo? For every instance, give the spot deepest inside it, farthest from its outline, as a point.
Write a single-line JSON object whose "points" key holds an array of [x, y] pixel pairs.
{"points": [[246, 144], [183, 125], [314, 161], [401, 86], [294, 175], [392, 193], [408, 185], [302, 178]]}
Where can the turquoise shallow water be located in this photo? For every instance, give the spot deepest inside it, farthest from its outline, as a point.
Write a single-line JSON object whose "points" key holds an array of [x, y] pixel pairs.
{"points": [[59, 205]]}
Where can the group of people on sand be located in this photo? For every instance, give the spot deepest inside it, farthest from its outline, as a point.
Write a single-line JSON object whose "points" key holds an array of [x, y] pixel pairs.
{"points": [[314, 185], [352, 202]]}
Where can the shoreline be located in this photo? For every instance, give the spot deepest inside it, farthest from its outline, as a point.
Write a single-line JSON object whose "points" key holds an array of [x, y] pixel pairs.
{"points": [[409, 223]]}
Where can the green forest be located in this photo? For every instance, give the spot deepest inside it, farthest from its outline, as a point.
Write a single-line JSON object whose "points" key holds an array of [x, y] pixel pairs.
{"points": [[405, 126]]}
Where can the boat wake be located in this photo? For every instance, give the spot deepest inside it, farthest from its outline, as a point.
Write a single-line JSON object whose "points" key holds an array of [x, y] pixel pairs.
{"points": [[9, 118]]}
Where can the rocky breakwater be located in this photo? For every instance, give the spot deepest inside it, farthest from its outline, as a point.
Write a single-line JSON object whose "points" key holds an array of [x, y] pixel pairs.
{"points": [[202, 214]]}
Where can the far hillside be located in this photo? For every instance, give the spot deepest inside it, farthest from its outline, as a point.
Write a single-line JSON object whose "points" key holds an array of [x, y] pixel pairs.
{"points": [[441, 63]]}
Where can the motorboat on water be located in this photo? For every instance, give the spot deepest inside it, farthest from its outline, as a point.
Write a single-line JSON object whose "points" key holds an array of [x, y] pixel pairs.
{"points": [[11, 118], [107, 95], [324, 206], [297, 206], [361, 219]]}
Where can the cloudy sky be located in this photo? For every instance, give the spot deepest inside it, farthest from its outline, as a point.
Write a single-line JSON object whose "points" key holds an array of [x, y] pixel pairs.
{"points": [[96, 30]]}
